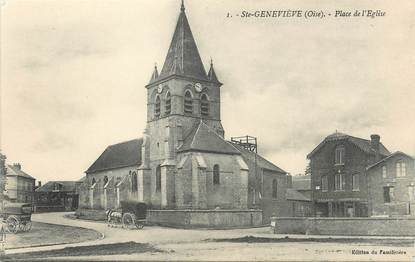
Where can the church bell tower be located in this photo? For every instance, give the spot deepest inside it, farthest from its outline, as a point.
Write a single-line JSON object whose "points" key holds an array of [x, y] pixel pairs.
{"points": [[178, 98]]}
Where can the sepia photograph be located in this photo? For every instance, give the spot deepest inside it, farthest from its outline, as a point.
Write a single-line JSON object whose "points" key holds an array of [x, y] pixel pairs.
{"points": [[190, 130]]}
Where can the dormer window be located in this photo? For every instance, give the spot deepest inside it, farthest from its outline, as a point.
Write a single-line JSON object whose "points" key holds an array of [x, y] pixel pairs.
{"points": [[339, 155], [204, 105], [157, 107], [188, 102], [168, 103]]}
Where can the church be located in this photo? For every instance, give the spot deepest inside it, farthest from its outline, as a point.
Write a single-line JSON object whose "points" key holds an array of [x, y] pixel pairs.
{"points": [[182, 166]]}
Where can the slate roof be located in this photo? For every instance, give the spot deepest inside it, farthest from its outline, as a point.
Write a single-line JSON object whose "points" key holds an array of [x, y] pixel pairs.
{"points": [[183, 57], [386, 158], [292, 194], [363, 144], [15, 171], [302, 182], [67, 186], [261, 162], [212, 75], [204, 139], [118, 155]]}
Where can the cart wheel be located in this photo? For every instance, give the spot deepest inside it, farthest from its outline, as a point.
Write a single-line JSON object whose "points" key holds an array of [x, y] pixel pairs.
{"points": [[28, 226], [128, 220], [12, 224], [139, 225]]}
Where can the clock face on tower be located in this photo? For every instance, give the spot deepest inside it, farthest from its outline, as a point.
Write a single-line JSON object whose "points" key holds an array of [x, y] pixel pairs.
{"points": [[198, 87]]}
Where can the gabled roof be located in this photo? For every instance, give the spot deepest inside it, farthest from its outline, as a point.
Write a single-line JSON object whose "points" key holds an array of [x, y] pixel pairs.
{"points": [[261, 162], [204, 139], [363, 144], [183, 57], [66, 186], [119, 155], [13, 170], [292, 194], [388, 157], [302, 182]]}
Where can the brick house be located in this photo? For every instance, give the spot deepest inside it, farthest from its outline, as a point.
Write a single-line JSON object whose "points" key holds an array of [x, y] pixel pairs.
{"points": [[183, 162], [20, 186], [391, 185], [56, 196], [338, 167]]}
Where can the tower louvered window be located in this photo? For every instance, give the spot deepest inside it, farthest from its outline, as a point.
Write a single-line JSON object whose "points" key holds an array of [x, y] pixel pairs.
{"points": [[188, 103], [204, 105], [157, 107], [168, 103]]}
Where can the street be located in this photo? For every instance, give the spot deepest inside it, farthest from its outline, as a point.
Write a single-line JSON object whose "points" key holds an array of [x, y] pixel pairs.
{"points": [[160, 243]]}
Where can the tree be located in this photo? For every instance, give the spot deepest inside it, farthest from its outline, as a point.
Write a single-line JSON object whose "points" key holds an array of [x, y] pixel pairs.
{"points": [[2, 179]]}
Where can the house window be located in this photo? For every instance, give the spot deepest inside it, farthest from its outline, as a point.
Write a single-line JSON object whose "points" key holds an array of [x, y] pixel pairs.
{"points": [[388, 194], [105, 180], [157, 107], [204, 105], [274, 188], [339, 155], [339, 182], [384, 172], [355, 182], [216, 175], [93, 181], [158, 179], [168, 103], [134, 186], [188, 103], [411, 193], [400, 168], [324, 184]]}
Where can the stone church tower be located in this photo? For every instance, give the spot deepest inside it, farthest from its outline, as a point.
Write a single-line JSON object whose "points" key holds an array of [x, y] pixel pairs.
{"points": [[178, 98]]}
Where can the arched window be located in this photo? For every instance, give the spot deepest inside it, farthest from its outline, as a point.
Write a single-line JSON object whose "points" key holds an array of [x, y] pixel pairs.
{"points": [[216, 175], [157, 107], [168, 103], [134, 186], [274, 188], [105, 180], [204, 105], [158, 179], [188, 102]]}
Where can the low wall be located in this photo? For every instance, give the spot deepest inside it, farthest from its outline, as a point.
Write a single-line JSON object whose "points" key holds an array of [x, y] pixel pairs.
{"points": [[91, 214], [356, 226], [206, 218], [191, 218]]}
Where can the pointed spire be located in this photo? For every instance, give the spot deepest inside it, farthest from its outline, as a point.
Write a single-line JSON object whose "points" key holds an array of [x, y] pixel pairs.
{"points": [[182, 7], [212, 75], [155, 74], [183, 57]]}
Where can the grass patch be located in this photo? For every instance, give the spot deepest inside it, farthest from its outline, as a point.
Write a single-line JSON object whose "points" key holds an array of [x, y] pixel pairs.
{"points": [[125, 248], [371, 241]]}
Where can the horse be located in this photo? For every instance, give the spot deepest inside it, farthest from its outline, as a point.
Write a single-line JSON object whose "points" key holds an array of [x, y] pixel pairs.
{"points": [[113, 217]]}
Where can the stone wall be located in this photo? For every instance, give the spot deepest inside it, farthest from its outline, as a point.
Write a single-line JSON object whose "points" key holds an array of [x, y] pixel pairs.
{"points": [[206, 218], [358, 226]]}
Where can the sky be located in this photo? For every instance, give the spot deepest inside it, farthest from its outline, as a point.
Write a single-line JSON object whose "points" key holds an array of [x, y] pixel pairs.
{"points": [[73, 76]]}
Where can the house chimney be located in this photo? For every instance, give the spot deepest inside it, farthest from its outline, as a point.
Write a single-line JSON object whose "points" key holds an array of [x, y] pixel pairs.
{"points": [[39, 183], [17, 165], [375, 143]]}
